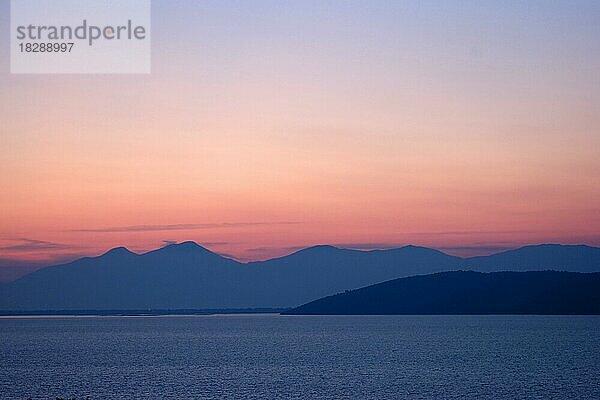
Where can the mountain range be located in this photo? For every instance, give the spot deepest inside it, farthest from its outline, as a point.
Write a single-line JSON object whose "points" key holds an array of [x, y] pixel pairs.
{"points": [[462, 292], [188, 276]]}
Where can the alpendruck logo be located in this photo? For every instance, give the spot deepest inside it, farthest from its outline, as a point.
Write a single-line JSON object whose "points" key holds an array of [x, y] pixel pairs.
{"points": [[80, 36]]}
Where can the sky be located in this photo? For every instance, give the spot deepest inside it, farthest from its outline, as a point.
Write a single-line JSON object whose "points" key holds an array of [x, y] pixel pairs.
{"points": [[267, 126]]}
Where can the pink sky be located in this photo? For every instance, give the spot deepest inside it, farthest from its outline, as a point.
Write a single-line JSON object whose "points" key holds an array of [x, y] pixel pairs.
{"points": [[471, 134]]}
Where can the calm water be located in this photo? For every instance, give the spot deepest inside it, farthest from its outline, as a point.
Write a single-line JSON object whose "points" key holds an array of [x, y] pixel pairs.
{"points": [[270, 356]]}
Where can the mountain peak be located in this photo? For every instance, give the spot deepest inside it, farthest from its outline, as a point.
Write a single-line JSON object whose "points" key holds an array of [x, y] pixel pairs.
{"points": [[183, 247], [189, 244], [118, 251], [319, 249], [322, 247], [413, 247]]}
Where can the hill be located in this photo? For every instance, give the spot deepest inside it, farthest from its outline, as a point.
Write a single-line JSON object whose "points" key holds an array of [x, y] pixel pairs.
{"points": [[468, 292]]}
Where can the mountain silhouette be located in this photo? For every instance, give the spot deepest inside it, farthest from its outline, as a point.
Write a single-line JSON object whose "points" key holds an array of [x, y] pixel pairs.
{"points": [[577, 258], [462, 292], [188, 276], [320, 269]]}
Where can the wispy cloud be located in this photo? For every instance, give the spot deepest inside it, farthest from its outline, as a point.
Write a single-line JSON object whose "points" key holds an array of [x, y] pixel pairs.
{"points": [[28, 245], [442, 233], [27, 255], [49, 259], [178, 227]]}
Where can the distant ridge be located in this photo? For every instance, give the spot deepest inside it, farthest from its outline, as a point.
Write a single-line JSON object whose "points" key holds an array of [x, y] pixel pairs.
{"points": [[462, 292], [189, 276], [577, 258]]}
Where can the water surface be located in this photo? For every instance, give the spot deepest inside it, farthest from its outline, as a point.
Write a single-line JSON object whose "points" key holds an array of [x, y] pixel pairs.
{"points": [[302, 357]]}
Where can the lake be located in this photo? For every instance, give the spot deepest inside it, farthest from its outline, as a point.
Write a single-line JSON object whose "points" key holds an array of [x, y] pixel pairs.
{"points": [[300, 357]]}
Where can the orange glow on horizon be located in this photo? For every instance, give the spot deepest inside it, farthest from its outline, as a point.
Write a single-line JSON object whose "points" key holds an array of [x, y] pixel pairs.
{"points": [[273, 134]]}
